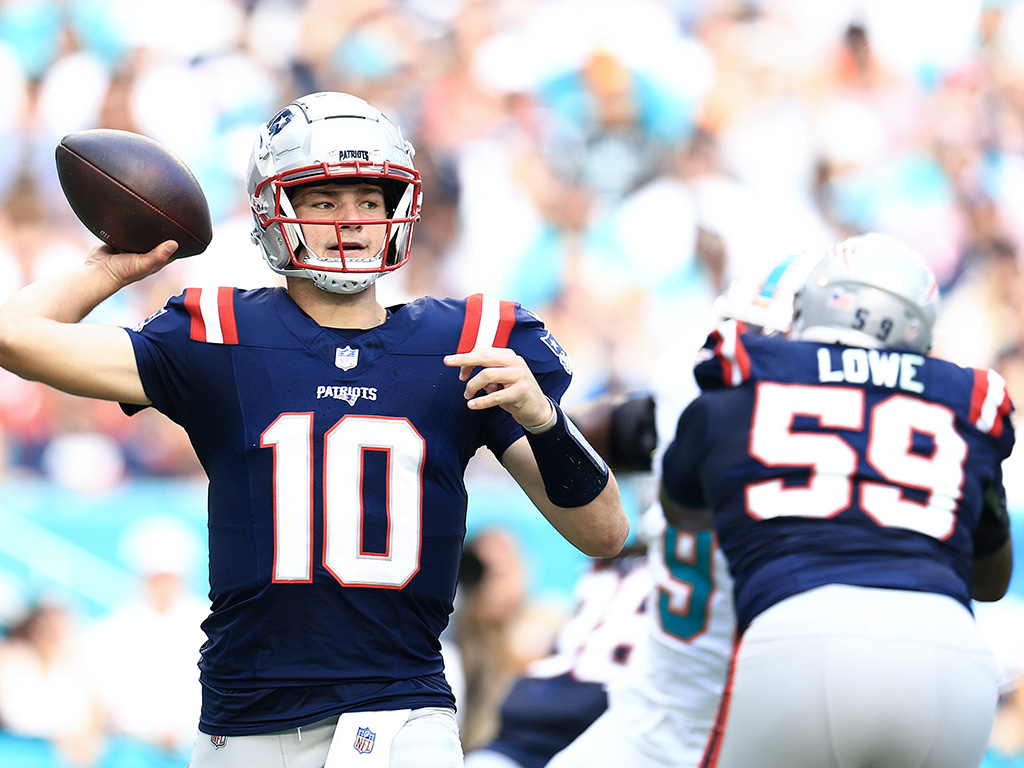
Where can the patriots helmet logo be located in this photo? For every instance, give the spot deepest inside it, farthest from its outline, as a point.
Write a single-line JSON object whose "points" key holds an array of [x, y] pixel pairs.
{"points": [[281, 119]]}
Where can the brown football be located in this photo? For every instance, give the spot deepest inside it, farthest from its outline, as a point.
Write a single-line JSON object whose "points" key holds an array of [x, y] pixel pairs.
{"points": [[132, 192]]}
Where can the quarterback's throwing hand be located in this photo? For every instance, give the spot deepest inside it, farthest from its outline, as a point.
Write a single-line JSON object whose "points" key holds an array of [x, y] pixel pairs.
{"points": [[505, 380], [127, 268]]}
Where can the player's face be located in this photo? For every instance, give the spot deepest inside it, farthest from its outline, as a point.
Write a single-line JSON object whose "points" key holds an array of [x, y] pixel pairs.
{"points": [[348, 202]]}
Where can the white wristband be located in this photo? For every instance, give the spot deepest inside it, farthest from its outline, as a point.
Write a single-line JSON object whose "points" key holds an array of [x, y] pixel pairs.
{"points": [[547, 424]]}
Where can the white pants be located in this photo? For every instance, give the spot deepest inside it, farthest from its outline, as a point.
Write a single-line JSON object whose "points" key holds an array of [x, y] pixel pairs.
{"points": [[635, 732], [428, 737], [850, 677]]}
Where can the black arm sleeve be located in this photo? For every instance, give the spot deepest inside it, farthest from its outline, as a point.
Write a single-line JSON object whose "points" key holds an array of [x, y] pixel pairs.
{"points": [[993, 527], [633, 435]]}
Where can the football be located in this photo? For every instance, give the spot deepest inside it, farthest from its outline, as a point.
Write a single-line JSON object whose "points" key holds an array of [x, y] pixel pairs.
{"points": [[132, 192]]}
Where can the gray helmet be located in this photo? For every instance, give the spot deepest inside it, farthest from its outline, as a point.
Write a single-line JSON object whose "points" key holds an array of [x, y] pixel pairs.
{"points": [[868, 291], [331, 136]]}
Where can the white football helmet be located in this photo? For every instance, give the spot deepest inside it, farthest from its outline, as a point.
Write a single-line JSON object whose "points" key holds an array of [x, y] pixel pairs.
{"points": [[765, 301], [325, 136], [868, 291]]}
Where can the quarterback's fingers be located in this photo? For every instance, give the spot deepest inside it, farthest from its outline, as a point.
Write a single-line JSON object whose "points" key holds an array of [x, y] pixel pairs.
{"points": [[494, 377], [459, 360], [480, 358], [499, 397], [504, 379]]}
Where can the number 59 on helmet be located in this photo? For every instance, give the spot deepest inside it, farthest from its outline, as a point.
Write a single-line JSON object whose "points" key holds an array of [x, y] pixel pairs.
{"points": [[869, 291]]}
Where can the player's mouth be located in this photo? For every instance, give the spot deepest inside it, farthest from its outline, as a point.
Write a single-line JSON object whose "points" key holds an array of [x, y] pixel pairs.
{"points": [[348, 250]]}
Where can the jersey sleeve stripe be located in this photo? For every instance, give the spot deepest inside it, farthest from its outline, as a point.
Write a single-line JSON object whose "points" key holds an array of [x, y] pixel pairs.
{"points": [[197, 331], [978, 392], [990, 404], [506, 321], [719, 340], [209, 306], [471, 326], [1005, 411], [488, 323], [213, 315], [742, 356], [226, 313], [731, 353]]}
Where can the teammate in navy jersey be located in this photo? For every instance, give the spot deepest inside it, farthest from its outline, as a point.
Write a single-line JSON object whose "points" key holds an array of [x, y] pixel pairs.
{"points": [[855, 486], [660, 712], [335, 434]]}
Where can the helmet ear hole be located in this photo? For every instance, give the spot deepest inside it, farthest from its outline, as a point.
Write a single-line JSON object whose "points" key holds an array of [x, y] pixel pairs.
{"points": [[295, 242], [392, 195], [401, 235]]}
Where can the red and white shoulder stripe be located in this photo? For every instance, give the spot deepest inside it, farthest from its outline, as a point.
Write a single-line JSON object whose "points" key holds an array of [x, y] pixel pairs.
{"points": [[213, 315], [990, 402], [730, 352], [488, 323]]}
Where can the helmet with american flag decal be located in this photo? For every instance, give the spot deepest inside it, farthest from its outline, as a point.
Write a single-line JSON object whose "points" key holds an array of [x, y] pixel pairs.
{"points": [[870, 291]]}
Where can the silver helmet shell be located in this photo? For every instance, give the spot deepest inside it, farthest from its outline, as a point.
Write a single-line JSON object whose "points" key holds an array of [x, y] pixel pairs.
{"points": [[869, 291], [322, 137]]}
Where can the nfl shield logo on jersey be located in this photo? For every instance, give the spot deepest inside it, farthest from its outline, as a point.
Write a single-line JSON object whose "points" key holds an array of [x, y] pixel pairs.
{"points": [[218, 741], [364, 740], [346, 358]]}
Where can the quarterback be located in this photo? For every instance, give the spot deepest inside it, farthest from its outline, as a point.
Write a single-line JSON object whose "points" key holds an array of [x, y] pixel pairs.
{"points": [[335, 433]]}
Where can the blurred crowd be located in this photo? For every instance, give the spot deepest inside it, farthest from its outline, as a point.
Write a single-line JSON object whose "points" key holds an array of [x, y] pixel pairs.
{"points": [[116, 690], [610, 164]]}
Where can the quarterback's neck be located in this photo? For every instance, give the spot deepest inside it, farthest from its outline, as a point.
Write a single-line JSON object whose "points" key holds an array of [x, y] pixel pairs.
{"points": [[337, 310]]}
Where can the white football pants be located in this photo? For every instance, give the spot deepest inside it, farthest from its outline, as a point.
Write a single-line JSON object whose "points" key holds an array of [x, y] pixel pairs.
{"points": [[403, 739], [851, 677]]}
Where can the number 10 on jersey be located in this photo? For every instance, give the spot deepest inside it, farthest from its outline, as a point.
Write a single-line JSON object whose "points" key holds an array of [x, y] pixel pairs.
{"points": [[344, 461]]}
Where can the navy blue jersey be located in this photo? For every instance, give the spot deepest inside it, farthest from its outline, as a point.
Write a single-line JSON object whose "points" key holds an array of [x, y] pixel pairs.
{"points": [[542, 716], [830, 464], [337, 503]]}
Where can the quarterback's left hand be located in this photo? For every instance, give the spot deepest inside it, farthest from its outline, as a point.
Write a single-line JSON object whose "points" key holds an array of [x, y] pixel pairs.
{"points": [[505, 380]]}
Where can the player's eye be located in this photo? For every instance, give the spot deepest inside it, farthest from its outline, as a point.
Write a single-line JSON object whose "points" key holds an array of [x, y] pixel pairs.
{"points": [[311, 202]]}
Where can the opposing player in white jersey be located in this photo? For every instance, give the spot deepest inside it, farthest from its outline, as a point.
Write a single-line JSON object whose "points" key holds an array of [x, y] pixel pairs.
{"points": [[560, 695], [661, 714]]}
